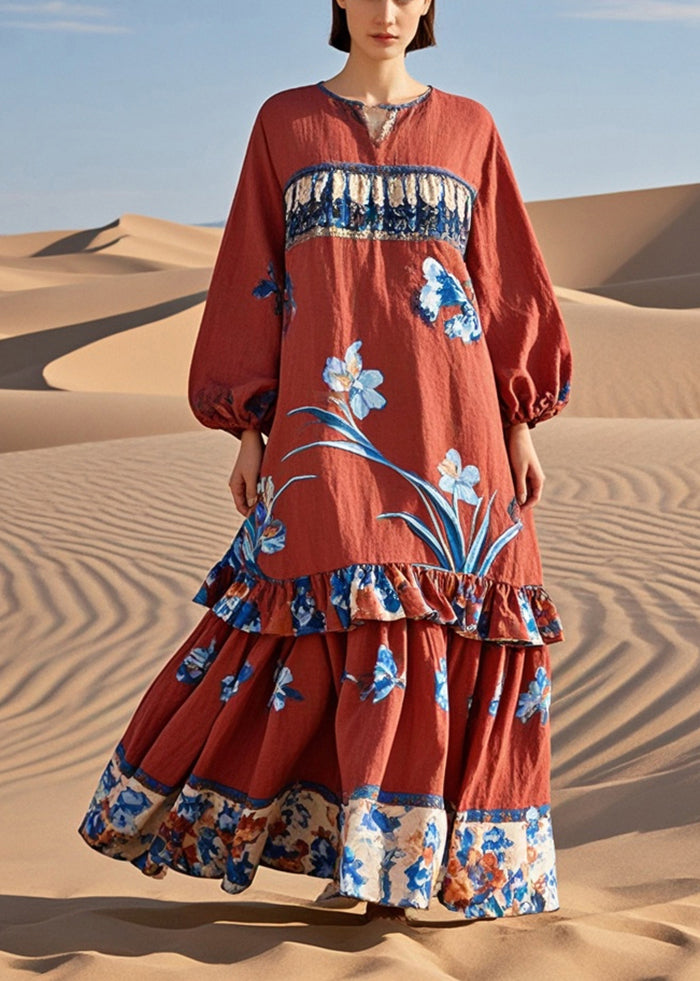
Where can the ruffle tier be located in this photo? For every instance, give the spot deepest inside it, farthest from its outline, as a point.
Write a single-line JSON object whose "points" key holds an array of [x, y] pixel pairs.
{"points": [[382, 758], [473, 606]]}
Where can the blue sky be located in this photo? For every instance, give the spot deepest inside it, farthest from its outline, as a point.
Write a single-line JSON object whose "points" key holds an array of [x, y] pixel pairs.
{"points": [[146, 105]]}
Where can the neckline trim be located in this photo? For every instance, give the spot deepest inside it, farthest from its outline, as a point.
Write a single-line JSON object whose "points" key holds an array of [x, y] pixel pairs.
{"points": [[376, 105]]}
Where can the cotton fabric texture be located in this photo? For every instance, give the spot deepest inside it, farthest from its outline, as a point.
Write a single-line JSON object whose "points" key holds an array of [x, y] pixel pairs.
{"points": [[366, 698]]}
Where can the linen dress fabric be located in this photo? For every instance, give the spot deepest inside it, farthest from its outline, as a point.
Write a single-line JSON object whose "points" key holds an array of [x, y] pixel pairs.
{"points": [[366, 698]]}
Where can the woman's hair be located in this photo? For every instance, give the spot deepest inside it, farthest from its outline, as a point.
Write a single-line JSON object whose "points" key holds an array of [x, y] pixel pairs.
{"points": [[340, 35]]}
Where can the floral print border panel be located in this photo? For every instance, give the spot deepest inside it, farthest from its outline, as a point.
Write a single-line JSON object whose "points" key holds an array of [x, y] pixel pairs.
{"points": [[392, 848]]}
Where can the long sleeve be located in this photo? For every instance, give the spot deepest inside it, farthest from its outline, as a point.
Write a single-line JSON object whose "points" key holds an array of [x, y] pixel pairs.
{"points": [[235, 362], [523, 326]]}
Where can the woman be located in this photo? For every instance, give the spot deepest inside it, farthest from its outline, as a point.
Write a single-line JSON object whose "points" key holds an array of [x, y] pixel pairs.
{"points": [[366, 698]]}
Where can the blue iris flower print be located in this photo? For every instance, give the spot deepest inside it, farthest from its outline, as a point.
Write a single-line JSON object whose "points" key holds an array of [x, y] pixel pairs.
{"points": [[536, 699], [458, 480], [283, 689], [261, 531], [441, 527], [196, 663], [386, 675], [232, 682], [441, 683], [443, 289], [384, 679], [285, 303], [348, 376]]}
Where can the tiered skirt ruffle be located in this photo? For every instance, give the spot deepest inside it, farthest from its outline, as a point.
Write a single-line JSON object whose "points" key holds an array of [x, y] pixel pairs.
{"points": [[399, 758], [474, 606]]}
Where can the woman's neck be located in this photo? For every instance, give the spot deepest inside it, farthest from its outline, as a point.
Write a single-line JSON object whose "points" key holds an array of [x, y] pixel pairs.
{"points": [[373, 82]]}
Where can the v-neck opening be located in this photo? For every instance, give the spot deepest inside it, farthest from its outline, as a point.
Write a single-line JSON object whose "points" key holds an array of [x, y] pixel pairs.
{"points": [[376, 105], [379, 130]]}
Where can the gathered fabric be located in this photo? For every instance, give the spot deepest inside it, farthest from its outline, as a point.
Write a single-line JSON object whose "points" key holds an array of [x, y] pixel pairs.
{"points": [[401, 760]]}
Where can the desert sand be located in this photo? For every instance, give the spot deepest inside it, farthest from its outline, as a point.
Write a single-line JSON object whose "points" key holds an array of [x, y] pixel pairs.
{"points": [[115, 503]]}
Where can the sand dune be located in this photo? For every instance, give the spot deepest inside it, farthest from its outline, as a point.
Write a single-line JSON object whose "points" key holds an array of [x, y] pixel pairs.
{"points": [[131, 236], [32, 419], [113, 511], [605, 241]]}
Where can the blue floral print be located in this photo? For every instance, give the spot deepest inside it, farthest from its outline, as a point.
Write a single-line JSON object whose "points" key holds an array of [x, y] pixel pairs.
{"points": [[441, 696], [261, 532], [323, 857], [527, 613], [536, 699], [209, 846], [283, 689], [488, 863], [442, 531], [458, 480], [305, 617], [232, 682], [294, 810], [192, 806], [341, 600], [374, 577], [443, 289], [385, 677], [340, 597], [419, 876], [351, 877], [285, 303], [420, 873], [240, 871], [348, 376], [195, 664], [128, 806], [377, 820], [432, 838]]}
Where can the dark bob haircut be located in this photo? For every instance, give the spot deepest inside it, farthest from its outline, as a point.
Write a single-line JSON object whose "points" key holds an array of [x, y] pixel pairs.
{"points": [[340, 35]]}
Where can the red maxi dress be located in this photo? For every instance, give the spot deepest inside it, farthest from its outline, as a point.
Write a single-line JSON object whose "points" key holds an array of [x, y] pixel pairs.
{"points": [[366, 698]]}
